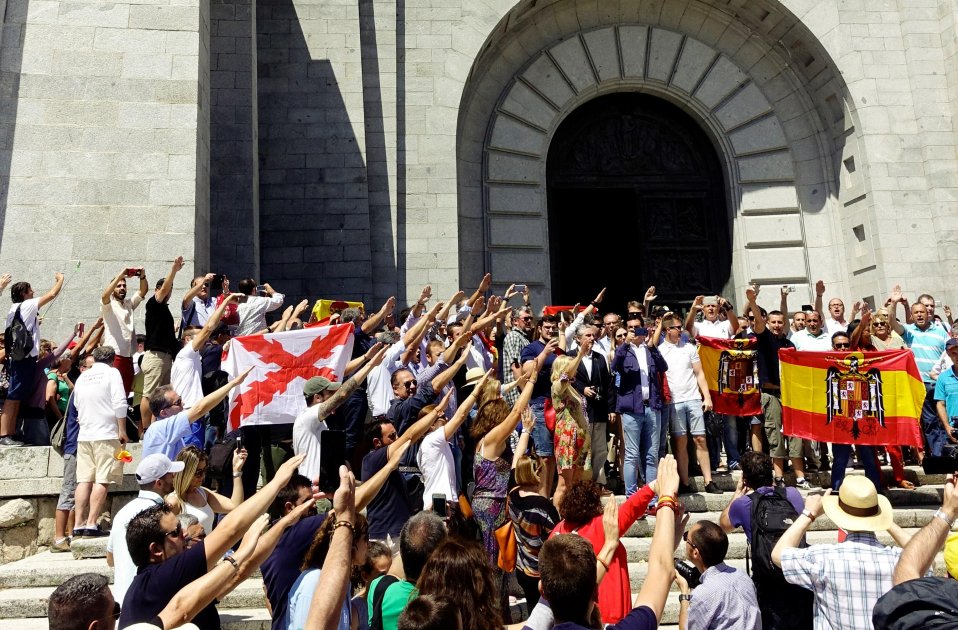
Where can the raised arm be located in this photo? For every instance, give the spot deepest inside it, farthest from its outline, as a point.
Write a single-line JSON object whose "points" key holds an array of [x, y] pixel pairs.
{"points": [[371, 487], [484, 285], [445, 377], [658, 581], [693, 310], [730, 314], [893, 300], [783, 302], [235, 524], [54, 291], [200, 338], [206, 403], [352, 384], [758, 324], [650, 297], [856, 339], [500, 432], [144, 285], [819, 292], [418, 428], [376, 319], [528, 421], [919, 554], [195, 290], [792, 537], [167, 287], [334, 576], [462, 412], [108, 291]]}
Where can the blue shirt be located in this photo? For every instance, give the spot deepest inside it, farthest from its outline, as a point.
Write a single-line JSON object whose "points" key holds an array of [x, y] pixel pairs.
{"points": [[281, 568], [73, 429], [167, 436], [927, 345], [301, 596], [725, 599], [543, 386], [946, 389]]}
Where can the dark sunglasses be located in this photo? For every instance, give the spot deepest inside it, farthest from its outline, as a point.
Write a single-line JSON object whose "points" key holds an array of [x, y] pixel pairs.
{"points": [[685, 537], [176, 533], [674, 328], [620, 336], [410, 383], [527, 318], [176, 403], [839, 346], [392, 436]]}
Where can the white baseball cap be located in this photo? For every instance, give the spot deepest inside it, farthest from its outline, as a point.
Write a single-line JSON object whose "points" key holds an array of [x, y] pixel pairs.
{"points": [[155, 466]]}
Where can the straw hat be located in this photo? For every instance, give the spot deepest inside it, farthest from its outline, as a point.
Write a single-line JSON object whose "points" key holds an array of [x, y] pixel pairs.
{"points": [[474, 375], [858, 506]]}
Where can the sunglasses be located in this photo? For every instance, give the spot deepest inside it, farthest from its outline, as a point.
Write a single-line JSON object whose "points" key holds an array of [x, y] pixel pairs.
{"points": [[176, 533], [410, 383], [685, 537], [839, 346], [392, 436], [199, 472], [176, 403], [620, 336], [674, 328], [525, 319], [880, 324]]}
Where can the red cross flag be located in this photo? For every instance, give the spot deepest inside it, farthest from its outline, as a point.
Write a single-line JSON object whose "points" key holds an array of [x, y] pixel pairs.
{"points": [[282, 363]]}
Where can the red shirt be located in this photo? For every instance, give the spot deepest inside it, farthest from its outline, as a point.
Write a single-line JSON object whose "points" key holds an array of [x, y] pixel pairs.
{"points": [[615, 591]]}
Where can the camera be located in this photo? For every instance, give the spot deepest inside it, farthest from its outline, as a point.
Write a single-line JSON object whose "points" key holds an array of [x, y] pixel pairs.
{"points": [[688, 572]]}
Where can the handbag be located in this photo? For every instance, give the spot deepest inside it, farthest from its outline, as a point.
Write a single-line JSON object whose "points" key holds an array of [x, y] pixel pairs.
{"points": [[506, 538], [550, 415]]}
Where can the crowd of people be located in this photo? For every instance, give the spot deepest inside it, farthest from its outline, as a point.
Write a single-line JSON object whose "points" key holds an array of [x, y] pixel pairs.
{"points": [[487, 438]]}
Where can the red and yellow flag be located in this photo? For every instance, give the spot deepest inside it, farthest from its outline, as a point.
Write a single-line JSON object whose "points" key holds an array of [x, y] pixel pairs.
{"points": [[731, 369], [870, 398]]}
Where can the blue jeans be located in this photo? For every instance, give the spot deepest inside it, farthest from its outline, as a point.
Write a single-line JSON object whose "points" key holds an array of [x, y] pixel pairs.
{"points": [[641, 435], [935, 436], [542, 438], [727, 435], [841, 453]]}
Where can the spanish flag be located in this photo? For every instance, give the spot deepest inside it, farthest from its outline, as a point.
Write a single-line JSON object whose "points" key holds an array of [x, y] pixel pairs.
{"points": [[731, 370], [869, 398]]}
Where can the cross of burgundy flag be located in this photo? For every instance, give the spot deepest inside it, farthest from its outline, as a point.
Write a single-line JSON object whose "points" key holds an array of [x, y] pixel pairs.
{"points": [[282, 363]]}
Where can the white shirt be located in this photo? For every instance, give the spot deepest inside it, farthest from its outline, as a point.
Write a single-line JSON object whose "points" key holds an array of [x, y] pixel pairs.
{"points": [[803, 340], [379, 391], [642, 356], [832, 326], [438, 466], [28, 313], [123, 568], [718, 329], [100, 400], [681, 376], [252, 313], [186, 375], [118, 324], [602, 346], [306, 431]]}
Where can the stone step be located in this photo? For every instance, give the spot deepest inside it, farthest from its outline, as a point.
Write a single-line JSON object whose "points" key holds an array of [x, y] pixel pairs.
{"points": [[914, 474], [16, 603]]}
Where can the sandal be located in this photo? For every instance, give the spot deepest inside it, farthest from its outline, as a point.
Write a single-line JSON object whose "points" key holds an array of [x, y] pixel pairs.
{"points": [[904, 483]]}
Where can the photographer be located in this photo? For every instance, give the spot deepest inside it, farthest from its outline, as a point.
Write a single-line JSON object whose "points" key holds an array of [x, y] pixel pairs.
{"points": [[725, 597]]}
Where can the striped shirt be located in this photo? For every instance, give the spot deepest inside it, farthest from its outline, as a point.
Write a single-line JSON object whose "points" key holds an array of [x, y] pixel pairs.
{"points": [[512, 346], [725, 599], [847, 578], [927, 345]]}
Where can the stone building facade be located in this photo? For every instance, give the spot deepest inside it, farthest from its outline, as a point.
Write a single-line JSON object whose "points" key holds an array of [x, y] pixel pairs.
{"points": [[362, 149]]}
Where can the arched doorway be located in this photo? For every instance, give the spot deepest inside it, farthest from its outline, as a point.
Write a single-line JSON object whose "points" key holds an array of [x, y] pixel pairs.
{"points": [[635, 198]]}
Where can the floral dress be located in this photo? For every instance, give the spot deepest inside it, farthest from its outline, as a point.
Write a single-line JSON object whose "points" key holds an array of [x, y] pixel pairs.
{"points": [[489, 499], [572, 445]]}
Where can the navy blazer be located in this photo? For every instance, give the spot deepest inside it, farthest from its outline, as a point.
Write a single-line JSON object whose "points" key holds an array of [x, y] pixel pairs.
{"points": [[598, 409], [629, 388]]}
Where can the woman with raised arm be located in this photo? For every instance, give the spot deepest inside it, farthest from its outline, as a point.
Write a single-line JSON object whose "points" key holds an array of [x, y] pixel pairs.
{"points": [[191, 497], [573, 445]]}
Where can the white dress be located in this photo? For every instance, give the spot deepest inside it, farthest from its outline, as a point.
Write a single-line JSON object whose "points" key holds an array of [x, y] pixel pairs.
{"points": [[204, 514]]}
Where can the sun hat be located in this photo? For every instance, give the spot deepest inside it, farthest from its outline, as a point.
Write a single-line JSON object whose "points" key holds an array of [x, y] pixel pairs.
{"points": [[858, 507]]}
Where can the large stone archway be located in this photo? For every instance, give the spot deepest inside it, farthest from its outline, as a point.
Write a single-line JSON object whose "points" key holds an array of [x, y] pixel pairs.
{"points": [[769, 99]]}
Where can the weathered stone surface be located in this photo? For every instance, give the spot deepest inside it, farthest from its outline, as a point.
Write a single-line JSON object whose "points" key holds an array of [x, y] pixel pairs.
{"points": [[16, 512]]}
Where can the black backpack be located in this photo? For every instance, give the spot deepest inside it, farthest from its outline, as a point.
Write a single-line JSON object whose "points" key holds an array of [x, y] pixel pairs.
{"points": [[17, 339], [784, 606], [922, 604]]}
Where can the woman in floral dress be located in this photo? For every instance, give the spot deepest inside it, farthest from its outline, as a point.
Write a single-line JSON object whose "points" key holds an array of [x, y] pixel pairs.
{"points": [[573, 446]]}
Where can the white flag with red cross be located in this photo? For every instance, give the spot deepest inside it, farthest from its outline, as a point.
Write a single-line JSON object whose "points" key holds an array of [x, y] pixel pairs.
{"points": [[282, 363]]}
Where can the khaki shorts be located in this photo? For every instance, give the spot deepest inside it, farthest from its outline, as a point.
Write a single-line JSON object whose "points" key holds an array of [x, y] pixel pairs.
{"points": [[156, 370], [97, 462], [779, 446]]}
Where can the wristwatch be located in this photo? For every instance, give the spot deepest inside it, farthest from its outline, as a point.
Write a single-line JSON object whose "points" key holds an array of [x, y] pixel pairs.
{"points": [[808, 513], [685, 597]]}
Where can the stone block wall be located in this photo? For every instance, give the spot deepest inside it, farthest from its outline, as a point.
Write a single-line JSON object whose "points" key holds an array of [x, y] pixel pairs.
{"points": [[103, 144]]}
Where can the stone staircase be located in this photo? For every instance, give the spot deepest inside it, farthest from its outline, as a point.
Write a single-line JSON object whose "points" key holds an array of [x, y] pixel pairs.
{"points": [[25, 585]]}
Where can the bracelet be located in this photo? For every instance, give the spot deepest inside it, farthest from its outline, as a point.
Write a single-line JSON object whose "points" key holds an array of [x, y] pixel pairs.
{"points": [[944, 516], [344, 524], [668, 504], [600, 561], [237, 474], [232, 561], [808, 513], [685, 597], [666, 497]]}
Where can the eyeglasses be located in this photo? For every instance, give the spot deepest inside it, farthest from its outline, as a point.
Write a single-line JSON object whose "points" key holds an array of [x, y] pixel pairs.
{"points": [[620, 336], [410, 383], [839, 346], [685, 537], [392, 436], [527, 318], [674, 328], [176, 403], [880, 324], [176, 533], [199, 472]]}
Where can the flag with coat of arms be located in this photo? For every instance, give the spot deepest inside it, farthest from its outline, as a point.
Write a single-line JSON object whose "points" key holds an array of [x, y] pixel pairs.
{"points": [[282, 363]]}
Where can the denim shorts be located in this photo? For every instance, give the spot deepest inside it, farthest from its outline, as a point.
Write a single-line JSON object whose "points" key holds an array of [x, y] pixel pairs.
{"points": [[687, 417], [542, 438]]}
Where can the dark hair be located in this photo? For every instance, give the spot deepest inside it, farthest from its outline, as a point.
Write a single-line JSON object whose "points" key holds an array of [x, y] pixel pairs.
{"points": [[567, 567], [393, 380], [18, 292], [776, 312], [581, 503], [104, 354], [420, 535], [839, 333], [427, 612], [288, 494], [375, 431], [316, 554], [454, 563], [756, 469], [144, 530], [711, 541], [159, 284], [78, 601], [547, 319], [247, 286], [158, 400]]}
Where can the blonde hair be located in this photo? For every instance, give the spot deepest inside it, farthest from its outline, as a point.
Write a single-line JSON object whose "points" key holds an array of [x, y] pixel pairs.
{"points": [[191, 457], [525, 472], [562, 388], [489, 391]]}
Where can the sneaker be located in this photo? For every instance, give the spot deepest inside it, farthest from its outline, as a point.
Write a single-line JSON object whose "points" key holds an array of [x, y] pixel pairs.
{"points": [[712, 488], [734, 466], [685, 488], [95, 532], [79, 532], [803, 484], [779, 482], [60, 546], [9, 441]]}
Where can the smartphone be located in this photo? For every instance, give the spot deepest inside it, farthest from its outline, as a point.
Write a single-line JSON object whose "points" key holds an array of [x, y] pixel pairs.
{"points": [[332, 455], [439, 505], [521, 288], [261, 289], [788, 288], [82, 327], [216, 284], [132, 271], [239, 441], [807, 307]]}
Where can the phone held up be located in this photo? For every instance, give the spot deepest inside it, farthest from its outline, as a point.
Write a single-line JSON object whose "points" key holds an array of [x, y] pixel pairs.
{"points": [[332, 455]]}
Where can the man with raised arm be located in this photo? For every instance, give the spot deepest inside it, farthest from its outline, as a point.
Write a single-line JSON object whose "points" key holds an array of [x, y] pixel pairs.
{"points": [[161, 344], [117, 312]]}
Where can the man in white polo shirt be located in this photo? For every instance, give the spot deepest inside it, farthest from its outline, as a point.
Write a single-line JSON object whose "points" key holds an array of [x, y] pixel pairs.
{"points": [[154, 475], [814, 336], [100, 399], [712, 325]]}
